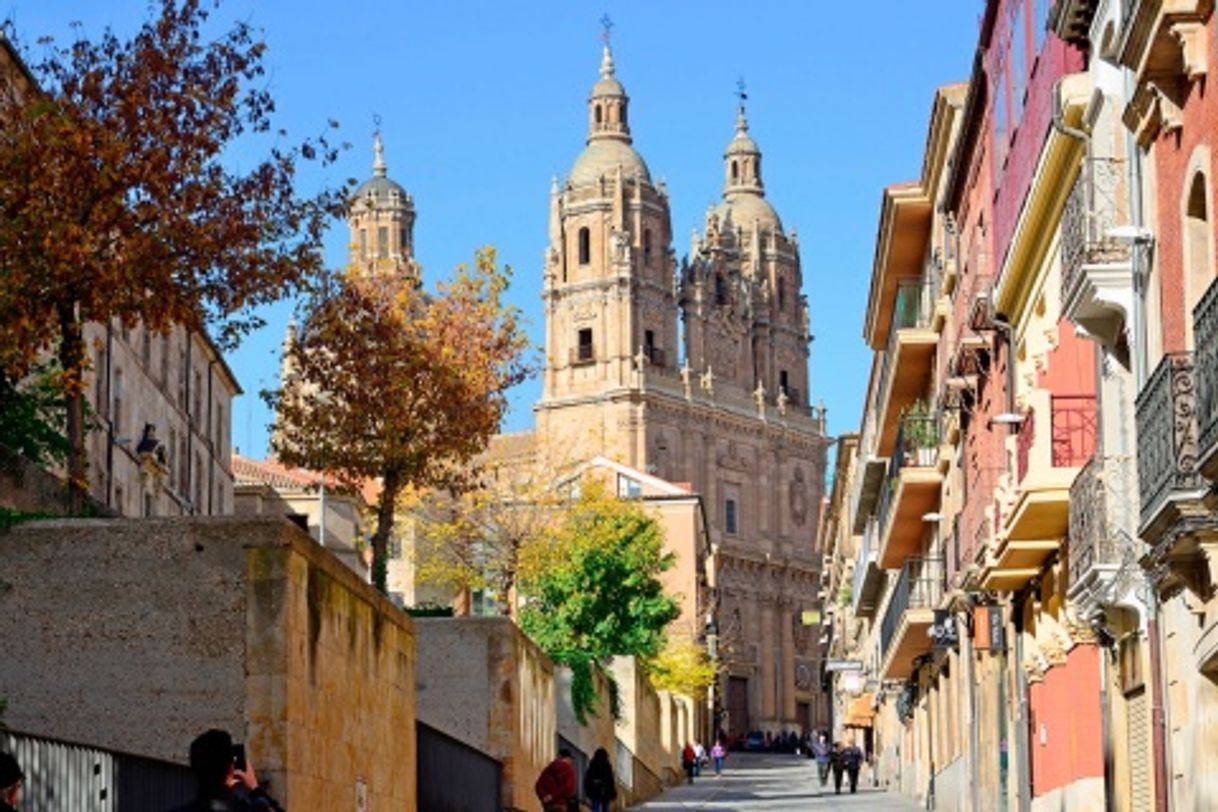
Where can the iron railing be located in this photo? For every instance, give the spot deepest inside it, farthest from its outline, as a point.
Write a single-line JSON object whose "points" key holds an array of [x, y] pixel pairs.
{"points": [[1094, 208], [1100, 515], [917, 446], [1074, 428], [1205, 335], [919, 586], [1024, 443], [911, 308], [66, 777], [1167, 434]]}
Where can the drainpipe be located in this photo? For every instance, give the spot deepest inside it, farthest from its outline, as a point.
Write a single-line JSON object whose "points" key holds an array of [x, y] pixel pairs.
{"points": [[1022, 724], [974, 732], [1158, 722], [1106, 733]]}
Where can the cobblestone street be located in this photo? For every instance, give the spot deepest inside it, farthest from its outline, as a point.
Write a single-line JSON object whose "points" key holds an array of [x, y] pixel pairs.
{"points": [[771, 782]]}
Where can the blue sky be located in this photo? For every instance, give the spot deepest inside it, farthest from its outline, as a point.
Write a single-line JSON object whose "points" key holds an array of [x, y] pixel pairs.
{"points": [[481, 103]]}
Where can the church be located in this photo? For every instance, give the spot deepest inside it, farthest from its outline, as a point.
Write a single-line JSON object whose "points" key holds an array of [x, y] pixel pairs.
{"points": [[691, 372]]}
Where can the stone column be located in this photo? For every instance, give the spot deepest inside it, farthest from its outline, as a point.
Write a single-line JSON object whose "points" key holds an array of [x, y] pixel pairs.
{"points": [[769, 706], [788, 660]]}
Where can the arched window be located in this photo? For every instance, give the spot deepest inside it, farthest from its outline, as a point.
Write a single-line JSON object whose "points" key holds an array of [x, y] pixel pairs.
{"points": [[720, 290], [757, 169], [622, 114], [646, 246], [735, 171], [585, 246], [1197, 263], [598, 114]]}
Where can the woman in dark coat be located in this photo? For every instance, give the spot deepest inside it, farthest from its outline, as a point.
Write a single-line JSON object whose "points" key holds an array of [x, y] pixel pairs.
{"points": [[599, 786]]}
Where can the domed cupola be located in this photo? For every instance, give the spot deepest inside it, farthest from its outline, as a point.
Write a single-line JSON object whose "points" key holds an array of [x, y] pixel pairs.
{"points": [[609, 142], [744, 200], [381, 217]]}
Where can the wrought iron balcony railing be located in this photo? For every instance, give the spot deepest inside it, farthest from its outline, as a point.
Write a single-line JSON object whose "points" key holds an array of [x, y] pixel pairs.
{"points": [[1101, 516], [911, 308], [1072, 426], [1205, 335], [919, 586], [1167, 434], [1095, 206], [917, 446]]}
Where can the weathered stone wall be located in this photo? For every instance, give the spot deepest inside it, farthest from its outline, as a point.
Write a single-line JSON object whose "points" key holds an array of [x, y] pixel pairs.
{"points": [[138, 635], [484, 683], [599, 730], [654, 726]]}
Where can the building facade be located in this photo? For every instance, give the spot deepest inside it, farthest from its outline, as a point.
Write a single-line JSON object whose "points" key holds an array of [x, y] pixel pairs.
{"points": [[721, 405]]}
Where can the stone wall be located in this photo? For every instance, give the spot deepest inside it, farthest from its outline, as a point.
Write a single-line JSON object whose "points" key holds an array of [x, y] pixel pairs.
{"points": [[138, 635], [481, 681], [654, 727]]}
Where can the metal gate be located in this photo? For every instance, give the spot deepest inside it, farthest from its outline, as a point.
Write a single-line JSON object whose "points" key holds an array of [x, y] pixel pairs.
{"points": [[454, 777], [65, 777]]}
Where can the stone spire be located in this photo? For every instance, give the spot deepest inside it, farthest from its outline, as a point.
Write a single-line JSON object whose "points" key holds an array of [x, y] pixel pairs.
{"points": [[378, 162], [742, 159], [607, 104]]}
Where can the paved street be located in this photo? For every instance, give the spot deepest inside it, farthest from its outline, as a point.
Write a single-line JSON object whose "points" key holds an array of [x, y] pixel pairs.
{"points": [[771, 782]]}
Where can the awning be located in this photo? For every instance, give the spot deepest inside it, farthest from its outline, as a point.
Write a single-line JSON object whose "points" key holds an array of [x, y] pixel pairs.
{"points": [[859, 712]]}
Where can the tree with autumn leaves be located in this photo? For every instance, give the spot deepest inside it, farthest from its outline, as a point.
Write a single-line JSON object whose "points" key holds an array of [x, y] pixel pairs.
{"points": [[387, 381], [116, 203]]}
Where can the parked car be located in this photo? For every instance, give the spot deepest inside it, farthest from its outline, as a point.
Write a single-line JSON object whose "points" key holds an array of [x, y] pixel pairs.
{"points": [[754, 741]]}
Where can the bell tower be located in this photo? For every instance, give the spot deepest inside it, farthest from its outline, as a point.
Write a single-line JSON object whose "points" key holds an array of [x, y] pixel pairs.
{"points": [[381, 219], [609, 266]]}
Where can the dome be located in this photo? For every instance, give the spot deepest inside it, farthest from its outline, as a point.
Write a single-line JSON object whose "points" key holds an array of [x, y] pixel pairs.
{"points": [[608, 86], [381, 189], [742, 144], [744, 208], [603, 157]]}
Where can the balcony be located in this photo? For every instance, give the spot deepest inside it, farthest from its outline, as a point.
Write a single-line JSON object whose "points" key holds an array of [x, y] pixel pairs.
{"points": [[909, 616], [1101, 527], [907, 359], [1055, 441], [868, 578], [912, 488], [1205, 337], [1169, 485], [1097, 276], [1165, 43]]}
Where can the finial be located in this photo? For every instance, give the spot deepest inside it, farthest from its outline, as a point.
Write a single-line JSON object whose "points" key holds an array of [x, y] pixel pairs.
{"points": [[742, 122], [607, 55], [378, 149]]}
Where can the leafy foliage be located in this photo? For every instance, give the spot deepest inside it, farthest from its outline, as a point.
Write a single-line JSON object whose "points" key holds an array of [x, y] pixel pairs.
{"points": [[594, 591], [683, 667], [32, 416], [389, 382], [477, 539], [115, 203]]}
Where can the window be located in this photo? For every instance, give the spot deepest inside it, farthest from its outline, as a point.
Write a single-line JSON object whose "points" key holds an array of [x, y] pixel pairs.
{"points": [[599, 114], [184, 465], [585, 246], [622, 114], [646, 246], [729, 516], [403, 241], [1199, 273], [735, 171], [146, 349], [757, 169], [649, 344], [197, 414], [782, 382], [628, 487], [99, 381], [363, 243], [148, 505], [165, 360], [720, 290], [116, 406], [382, 243], [585, 344], [171, 449], [119, 499], [782, 294], [183, 379]]}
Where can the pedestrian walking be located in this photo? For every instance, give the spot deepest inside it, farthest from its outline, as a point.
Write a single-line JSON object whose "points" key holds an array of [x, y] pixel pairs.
{"points": [[599, 785], [699, 758], [558, 787], [718, 752], [225, 777], [687, 762], [838, 766], [822, 752], [11, 781], [852, 758]]}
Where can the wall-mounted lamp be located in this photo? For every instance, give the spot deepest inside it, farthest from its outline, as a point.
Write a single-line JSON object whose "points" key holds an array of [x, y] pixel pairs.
{"points": [[932, 517], [1007, 419]]}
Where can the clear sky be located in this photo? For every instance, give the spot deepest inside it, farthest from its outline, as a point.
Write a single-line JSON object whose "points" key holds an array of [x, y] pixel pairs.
{"points": [[481, 103]]}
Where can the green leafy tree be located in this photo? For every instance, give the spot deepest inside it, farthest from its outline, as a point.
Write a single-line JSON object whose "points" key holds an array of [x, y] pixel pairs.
{"points": [[594, 590], [32, 417]]}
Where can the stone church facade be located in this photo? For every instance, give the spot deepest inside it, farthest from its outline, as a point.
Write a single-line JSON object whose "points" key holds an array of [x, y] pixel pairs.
{"points": [[696, 372]]}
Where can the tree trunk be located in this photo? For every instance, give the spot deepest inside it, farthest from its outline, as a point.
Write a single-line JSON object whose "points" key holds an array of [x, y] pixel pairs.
{"points": [[72, 361], [385, 514]]}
